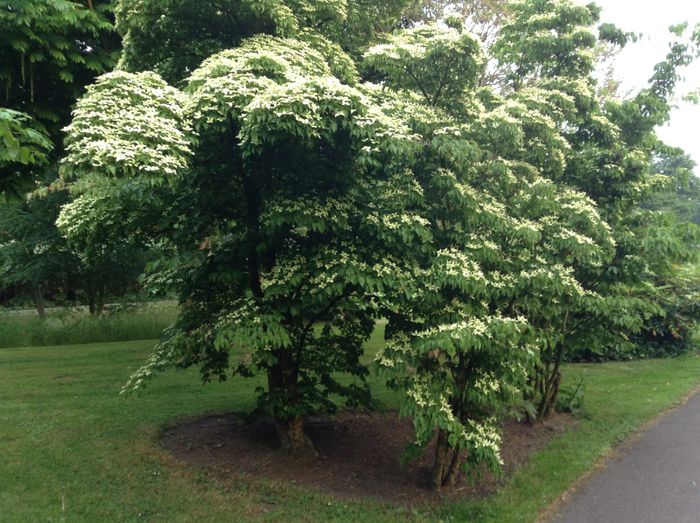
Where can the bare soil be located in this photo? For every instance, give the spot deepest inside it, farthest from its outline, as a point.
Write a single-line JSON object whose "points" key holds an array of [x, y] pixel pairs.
{"points": [[359, 454]]}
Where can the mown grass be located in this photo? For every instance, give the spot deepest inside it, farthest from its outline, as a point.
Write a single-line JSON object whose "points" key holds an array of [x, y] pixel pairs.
{"points": [[73, 450], [69, 327]]}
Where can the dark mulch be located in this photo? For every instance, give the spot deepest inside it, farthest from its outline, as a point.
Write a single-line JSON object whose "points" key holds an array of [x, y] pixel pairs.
{"points": [[359, 454]]}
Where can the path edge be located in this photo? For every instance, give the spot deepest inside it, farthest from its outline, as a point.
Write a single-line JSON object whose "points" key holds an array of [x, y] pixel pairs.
{"points": [[548, 513]]}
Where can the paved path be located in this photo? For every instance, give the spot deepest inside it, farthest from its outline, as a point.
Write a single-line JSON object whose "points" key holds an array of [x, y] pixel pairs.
{"points": [[657, 480]]}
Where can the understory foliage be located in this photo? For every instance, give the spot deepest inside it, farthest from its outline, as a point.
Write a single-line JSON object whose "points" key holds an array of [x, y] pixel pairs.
{"points": [[670, 332], [299, 196]]}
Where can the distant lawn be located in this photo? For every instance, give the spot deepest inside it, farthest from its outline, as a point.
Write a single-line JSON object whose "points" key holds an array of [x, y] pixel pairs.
{"points": [[72, 450], [23, 328]]}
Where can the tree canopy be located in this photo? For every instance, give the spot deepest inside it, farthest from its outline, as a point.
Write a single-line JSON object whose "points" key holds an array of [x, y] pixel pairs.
{"points": [[499, 277]]}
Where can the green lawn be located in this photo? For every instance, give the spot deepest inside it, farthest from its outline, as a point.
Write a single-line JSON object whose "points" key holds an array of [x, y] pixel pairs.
{"points": [[72, 450]]}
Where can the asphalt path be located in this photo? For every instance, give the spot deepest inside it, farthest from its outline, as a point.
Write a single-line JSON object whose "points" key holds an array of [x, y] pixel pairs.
{"points": [[655, 480]]}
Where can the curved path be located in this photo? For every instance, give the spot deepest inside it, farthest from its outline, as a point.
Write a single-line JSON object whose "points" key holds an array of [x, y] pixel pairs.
{"points": [[657, 480]]}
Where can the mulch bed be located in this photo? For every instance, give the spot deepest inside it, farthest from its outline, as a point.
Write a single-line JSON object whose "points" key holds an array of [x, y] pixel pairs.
{"points": [[359, 454]]}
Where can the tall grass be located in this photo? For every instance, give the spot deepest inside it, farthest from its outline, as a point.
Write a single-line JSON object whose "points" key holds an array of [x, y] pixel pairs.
{"points": [[72, 327]]}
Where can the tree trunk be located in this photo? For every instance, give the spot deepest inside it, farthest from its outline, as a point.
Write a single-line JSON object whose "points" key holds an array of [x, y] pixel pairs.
{"points": [[455, 466], [91, 298], [447, 464], [100, 305], [293, 439], [550, 382], [39, 301], [440, 463], [282, 384]]}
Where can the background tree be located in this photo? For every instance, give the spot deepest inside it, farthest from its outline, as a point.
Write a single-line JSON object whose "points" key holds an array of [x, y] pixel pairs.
{"points": [[173, 37], [38, 263], [34, 257], [367, 21], [481, 18], [681, 193], [52, 50], [676, 206], [550, 44]]}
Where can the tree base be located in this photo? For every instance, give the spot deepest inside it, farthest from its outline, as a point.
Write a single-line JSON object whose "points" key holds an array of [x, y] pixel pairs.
{"points": [[293, 439]]}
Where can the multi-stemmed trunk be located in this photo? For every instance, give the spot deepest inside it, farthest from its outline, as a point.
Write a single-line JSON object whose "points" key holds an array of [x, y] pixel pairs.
{"points": [[546, 381], [448, 460], [447, 463], [546, 385]]}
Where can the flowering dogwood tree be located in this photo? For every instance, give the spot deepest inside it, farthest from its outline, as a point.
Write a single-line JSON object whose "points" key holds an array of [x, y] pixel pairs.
{"points": [[550, 45], [499, 277], [280, 188]]}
